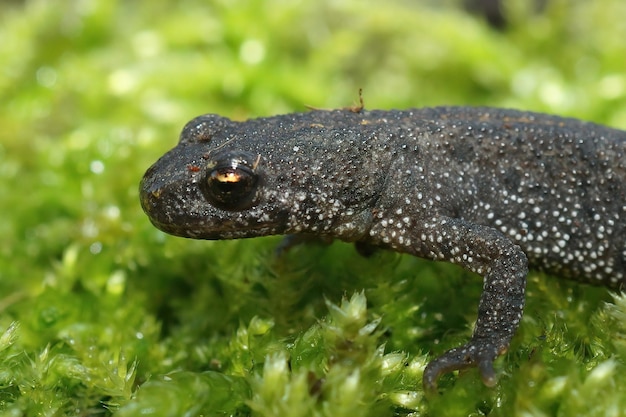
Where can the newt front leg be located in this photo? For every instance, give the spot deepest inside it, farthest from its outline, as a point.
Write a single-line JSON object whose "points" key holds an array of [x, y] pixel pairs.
{"points": [[504, 267]]}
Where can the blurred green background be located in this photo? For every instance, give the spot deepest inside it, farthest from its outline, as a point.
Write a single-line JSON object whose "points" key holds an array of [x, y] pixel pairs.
{"points": [[102, 314]]}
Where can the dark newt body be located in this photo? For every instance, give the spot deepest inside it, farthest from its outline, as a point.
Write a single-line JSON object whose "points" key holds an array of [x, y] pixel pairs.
{"points": [[493, 190]]}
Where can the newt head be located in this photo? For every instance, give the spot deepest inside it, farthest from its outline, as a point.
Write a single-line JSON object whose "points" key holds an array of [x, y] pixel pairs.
{"points": [[228, 180]]}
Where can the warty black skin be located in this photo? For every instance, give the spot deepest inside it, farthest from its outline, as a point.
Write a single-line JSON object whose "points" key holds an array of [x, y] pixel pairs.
{"points": [[495, 191]]}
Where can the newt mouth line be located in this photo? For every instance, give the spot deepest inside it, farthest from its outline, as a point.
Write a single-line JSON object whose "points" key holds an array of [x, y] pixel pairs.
{"points": [[224, 231]]}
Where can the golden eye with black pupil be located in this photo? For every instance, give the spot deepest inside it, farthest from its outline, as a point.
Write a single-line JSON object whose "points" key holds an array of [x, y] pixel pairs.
{"points": [[230, 184]]}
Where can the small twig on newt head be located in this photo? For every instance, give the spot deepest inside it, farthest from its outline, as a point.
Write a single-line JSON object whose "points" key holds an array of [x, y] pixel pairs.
{"points": [[356, 108]]}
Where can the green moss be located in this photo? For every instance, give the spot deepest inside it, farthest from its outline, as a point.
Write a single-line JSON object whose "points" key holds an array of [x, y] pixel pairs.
{"points": [[101, 314]]}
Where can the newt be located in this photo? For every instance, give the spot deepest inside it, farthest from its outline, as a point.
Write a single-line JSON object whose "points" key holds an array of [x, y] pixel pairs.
{"points": [[496, 191]]}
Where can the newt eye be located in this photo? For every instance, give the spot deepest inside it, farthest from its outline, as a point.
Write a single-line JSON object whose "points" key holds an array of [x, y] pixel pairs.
{"points": [[230, 184]]}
